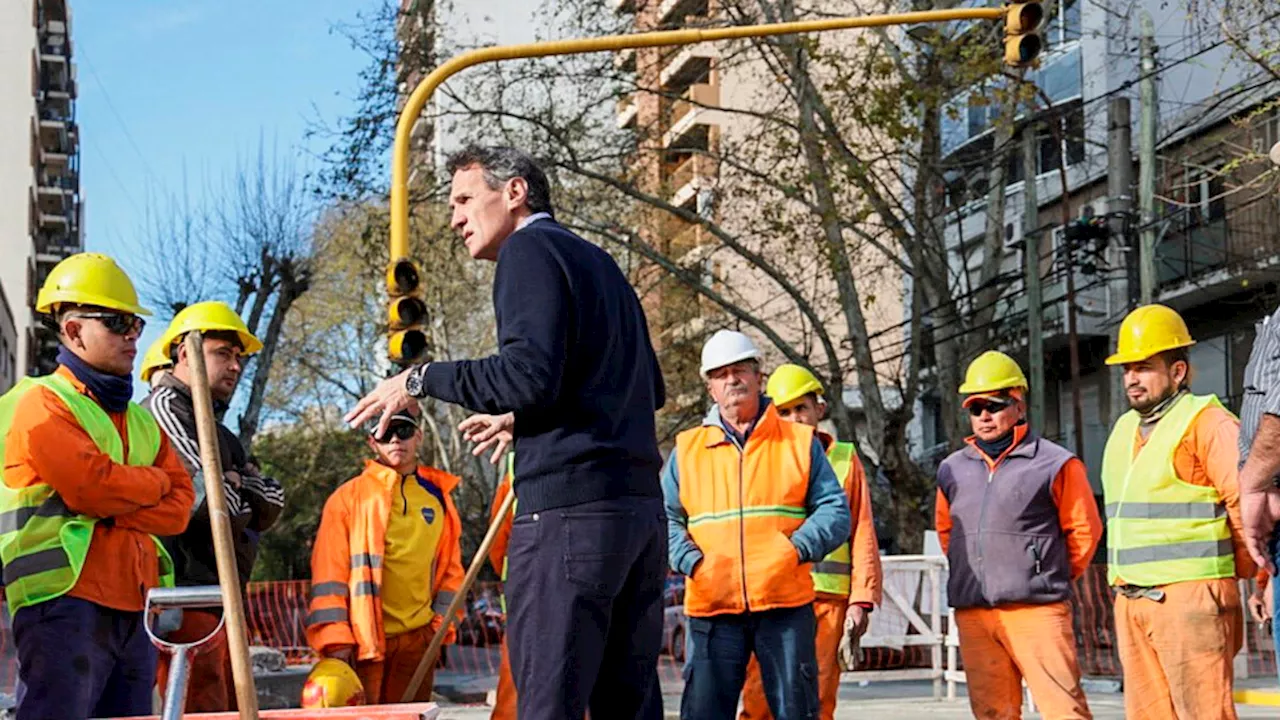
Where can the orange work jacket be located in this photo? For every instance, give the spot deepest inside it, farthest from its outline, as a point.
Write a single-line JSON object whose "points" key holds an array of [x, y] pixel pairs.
{"points": [[346, 561], [743, 507]]}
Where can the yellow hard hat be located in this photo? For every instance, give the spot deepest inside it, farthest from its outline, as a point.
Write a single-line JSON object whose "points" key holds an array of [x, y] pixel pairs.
{"points": [[89, 279], [788, 383], [332, 683], [156, 358], [992, 371], [1149, 331], [209, 316]]}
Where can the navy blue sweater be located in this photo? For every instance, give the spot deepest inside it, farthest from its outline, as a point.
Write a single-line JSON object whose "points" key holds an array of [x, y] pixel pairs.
{"points": [[576, 366]]}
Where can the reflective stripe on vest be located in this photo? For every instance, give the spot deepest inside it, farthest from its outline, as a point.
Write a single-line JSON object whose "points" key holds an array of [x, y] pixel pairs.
{"points": [[43, 544], [511, 476], [1161, 529], [831, 574]]}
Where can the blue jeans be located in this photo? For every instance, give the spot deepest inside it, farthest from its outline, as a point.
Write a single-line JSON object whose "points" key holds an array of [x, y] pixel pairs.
{"points": [[720, 648], [77, 660]]}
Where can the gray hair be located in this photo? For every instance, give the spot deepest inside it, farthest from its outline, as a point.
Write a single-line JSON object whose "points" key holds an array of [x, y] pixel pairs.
{"points": [[501, 164]]}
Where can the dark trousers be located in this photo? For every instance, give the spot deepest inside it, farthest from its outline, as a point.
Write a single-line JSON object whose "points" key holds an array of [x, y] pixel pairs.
{"points": [[584, 601], [720, 648], [77, 660]]}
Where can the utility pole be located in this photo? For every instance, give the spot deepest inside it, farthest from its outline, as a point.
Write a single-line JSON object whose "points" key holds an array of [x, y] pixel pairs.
{"points": [[1119, 247], [1031, 277], [1147, 161]]}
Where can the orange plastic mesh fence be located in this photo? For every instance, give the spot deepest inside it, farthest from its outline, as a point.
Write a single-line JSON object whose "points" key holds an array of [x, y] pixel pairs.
{"points": [[276, 614]]}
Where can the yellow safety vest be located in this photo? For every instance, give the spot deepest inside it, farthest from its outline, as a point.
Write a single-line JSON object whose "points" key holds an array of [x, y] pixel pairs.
{"points": [[831, 574], [43, 544], [1161, 529]]}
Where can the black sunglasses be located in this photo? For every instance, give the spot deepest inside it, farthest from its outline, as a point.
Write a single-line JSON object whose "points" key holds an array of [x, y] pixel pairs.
{"points": [[992, 406], [117, 323], [404, 431]]}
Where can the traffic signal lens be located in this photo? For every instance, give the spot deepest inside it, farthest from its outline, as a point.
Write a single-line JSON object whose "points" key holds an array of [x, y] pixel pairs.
{"points": [[404, 312], [407, 347], [402, 278], [1020, 51], [1023, 18]]}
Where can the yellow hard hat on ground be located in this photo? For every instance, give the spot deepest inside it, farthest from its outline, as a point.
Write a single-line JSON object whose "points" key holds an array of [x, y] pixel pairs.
{"points": [[156, 358], [332, 683], [1149, 331], [209, 316], [89, 279], [992, 371], [788, 383]]}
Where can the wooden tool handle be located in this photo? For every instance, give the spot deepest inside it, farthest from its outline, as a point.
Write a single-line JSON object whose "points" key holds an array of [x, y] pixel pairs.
{"points": [[220, 520], [433, 650]]}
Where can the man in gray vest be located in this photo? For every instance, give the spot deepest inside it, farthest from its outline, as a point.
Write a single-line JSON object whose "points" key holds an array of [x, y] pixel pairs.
{"points": [[1017, 520]]}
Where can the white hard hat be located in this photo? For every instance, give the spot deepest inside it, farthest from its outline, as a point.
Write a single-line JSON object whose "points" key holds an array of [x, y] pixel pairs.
{"points": [[727, 347]]}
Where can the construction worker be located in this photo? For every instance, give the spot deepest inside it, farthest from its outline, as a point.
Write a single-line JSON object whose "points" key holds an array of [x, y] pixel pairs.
{"points": [[1174, 539], [386, 564], [847, 582], [253, 502], [1017, 520], [752, 503], [90, 483], [156, 363]]}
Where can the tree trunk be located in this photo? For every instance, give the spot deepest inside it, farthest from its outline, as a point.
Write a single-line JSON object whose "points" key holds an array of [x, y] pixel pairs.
{"points": [[289, 291]]}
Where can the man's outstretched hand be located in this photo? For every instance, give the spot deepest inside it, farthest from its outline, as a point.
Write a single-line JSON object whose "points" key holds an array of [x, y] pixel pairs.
{"points": [[489, 431], [386, 400]]}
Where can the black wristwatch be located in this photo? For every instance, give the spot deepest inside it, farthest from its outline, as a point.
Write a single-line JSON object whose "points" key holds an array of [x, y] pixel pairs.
{"points": [[413, 382]]}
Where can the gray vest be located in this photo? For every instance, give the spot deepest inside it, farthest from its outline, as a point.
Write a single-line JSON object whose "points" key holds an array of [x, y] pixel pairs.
{"points": [[1007, 544]]}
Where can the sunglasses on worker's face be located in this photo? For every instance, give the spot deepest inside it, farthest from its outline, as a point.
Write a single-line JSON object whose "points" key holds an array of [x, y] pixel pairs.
{"points": [[994, 407], [116, 323], [404, 431]]}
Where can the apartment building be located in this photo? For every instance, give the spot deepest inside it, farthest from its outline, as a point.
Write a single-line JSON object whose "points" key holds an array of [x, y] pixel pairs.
{"points": [[1216, 249], [40, 205], [415, 35], [689, 111]]}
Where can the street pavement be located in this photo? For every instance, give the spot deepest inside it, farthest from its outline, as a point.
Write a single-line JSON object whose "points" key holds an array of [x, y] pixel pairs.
{"points": [[897, 701]]}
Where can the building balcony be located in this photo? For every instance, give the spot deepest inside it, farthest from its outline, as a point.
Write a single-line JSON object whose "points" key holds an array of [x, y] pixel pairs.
{"points": [[1210, 253], [687, 177], [625, 60], [692, 115], [57, 135], [52, 10], [688, 65], [628, 109], [623, 6], [676, 10]]}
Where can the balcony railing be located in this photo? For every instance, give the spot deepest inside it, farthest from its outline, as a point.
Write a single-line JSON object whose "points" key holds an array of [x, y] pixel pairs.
{"points": [[1196, 245], [627, 111], [673, 10], [685, 178], [687, 65]]}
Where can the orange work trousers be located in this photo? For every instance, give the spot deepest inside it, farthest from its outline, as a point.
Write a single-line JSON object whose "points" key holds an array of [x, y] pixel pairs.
{"points": [[210, 687], [829, 613], [504, 706], [1177, 654], [386, 680], [1005, 645]]}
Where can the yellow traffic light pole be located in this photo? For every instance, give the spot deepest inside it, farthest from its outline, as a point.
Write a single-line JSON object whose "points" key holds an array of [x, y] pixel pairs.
{"points": [[1021, 48]]}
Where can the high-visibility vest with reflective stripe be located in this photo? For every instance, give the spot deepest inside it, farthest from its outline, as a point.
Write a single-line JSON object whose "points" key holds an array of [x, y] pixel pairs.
{"points": [[1161, 529], [831, 574], [511, 476], [743, 504], [43, 544]]}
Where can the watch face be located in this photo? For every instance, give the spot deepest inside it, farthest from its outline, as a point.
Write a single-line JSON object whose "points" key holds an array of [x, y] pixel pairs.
{"points": [[413, 383]]}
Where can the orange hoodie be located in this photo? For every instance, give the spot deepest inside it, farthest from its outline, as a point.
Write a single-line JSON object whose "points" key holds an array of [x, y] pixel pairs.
{"points": [[46, 444]]}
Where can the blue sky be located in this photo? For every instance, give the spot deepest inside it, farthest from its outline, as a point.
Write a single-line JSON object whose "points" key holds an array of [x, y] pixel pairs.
{"points": [[170, 87]]}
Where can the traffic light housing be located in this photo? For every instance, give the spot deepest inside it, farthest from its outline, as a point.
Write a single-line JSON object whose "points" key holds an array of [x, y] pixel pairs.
{"points": [[1022, 41], [406, 314]]}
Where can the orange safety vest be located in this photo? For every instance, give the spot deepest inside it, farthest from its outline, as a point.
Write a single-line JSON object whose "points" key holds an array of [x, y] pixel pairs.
{"points": [[346, 561], [743, 504]]}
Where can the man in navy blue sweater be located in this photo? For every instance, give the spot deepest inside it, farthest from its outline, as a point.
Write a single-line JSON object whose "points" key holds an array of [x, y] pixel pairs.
{"points": [[576, 383]]}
